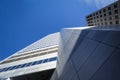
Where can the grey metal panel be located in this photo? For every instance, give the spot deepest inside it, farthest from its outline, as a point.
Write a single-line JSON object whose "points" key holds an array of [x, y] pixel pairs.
{"points": [[68, 71], [90, 54], [100, 35], [74, 77], [84, 33], [91, 34], [113, 38], [110, 70], [82, 53], [55, 76], [67, 47], [95, 61]]}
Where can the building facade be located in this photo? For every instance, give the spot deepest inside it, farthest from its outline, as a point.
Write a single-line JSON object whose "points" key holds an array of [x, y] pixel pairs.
{"points": [[83, 53], [109, 15], [89, 54], [35, 62]]}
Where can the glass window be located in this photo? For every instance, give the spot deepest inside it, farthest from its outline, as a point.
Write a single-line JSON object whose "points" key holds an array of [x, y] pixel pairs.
{"points": [[3, 69], [46, 60], [87, 16], [100, 12], [23, 65], [116, 11], [40, 61], [101, 23], [116, 17], [110, 22], [12, 67], [104, 14], [117, 22], [109, 8], [34, 63], [100, 15], [0, 70], [110, 13], [116, 5], [7, 69], [104, 10], [18, 66], [90, 15], [53, 59], [105, 23], [28, 64]]}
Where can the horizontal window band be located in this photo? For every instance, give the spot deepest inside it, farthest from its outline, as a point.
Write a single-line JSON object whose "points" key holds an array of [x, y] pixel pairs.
{"points": [[28, 64]]}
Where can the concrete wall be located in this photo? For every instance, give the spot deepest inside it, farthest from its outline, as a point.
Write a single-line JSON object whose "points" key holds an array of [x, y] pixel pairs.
{"points": [[30, 69]]}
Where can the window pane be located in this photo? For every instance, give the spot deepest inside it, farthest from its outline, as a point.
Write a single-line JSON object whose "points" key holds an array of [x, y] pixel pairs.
{"points": [[34, 63], [18, 66], [109, 8], [116, 11], [104, 10], [23, 65], [110, 13], [12, 67], [28, 64], [46, 60], [117, 22], [115, 5], [53, 59], [7, 69], [0, 70], [40, 61], [116, 17], [3, 69]]}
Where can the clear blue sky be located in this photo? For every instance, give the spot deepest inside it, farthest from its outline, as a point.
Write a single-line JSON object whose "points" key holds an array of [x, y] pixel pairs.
{"points": [[22, 22]]}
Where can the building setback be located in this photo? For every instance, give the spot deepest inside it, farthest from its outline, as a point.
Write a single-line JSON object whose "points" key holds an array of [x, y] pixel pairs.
{"points": [[109, 15]]}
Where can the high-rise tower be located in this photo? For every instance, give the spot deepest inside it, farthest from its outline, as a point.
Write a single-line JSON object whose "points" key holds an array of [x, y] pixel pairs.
{"points": [[37, 61]]}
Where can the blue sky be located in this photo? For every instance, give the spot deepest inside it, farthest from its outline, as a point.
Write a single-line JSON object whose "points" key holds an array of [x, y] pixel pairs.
{"points": [[23, 22]]}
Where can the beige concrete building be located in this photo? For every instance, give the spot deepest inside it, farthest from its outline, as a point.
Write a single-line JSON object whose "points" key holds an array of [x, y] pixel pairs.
{"points": [[109, 15]]}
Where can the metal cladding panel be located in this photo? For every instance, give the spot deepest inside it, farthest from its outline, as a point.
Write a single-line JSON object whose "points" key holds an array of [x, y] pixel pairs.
{"points": [[89, 54]]}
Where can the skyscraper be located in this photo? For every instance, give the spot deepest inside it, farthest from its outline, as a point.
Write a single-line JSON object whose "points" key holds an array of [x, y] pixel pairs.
{"points": [[81, 53], [34, 62], [84, 53]]}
